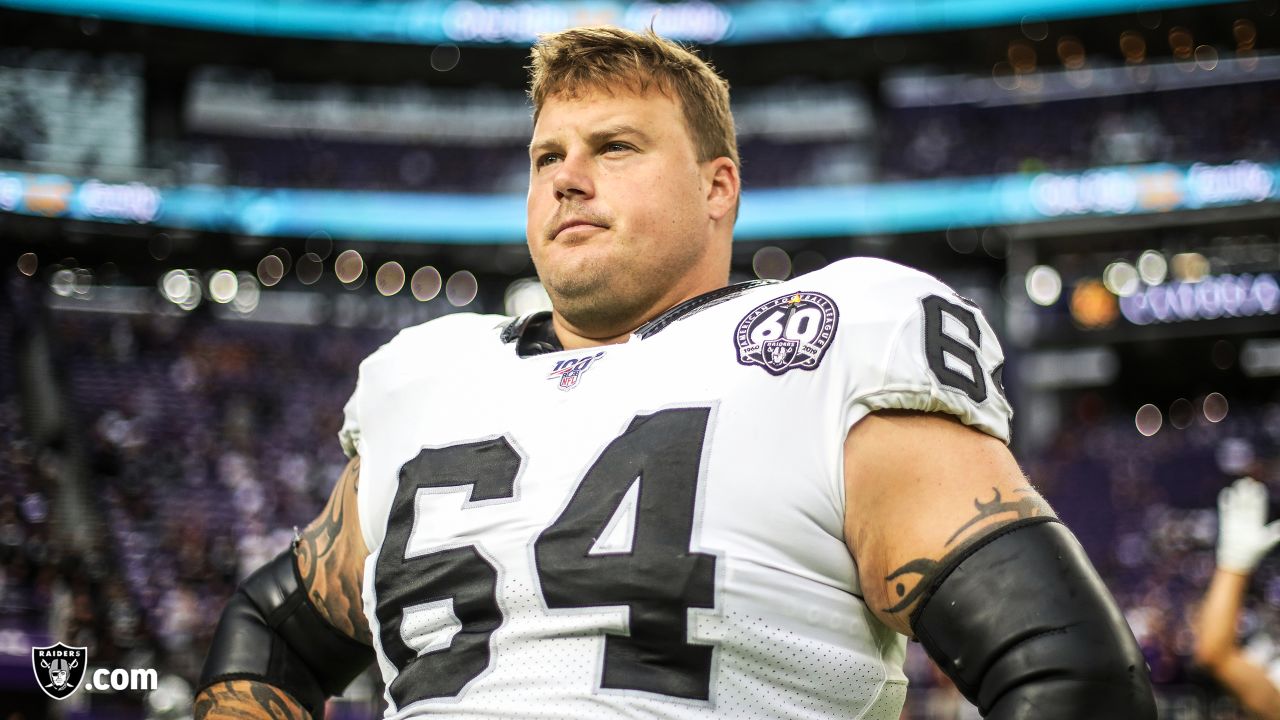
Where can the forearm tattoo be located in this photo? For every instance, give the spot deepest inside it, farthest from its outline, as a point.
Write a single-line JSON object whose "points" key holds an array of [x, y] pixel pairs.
{"points": [[330, 564], [246, 700], [990, 515]]}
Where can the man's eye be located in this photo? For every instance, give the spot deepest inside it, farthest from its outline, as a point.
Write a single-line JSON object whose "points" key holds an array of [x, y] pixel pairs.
{"points": [[617, 147], [544, 160]]}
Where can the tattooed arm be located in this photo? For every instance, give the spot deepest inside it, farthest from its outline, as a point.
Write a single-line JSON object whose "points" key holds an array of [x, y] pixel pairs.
{"points": [[246, 700], [330, 557], [919, 489], [954, 548]]}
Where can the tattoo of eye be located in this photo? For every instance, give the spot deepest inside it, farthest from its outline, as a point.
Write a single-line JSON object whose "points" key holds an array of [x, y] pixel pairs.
{"points": [[248, 700], [1028, 505], [326, 563]]}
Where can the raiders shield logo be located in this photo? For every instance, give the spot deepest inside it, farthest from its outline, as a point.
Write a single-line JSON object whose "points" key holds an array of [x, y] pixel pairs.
{"points": [[59, 669], [791, 332]]}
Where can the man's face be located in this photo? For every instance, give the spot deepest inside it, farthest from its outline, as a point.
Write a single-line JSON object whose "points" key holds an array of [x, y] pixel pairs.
{"points": [[617, 211]]}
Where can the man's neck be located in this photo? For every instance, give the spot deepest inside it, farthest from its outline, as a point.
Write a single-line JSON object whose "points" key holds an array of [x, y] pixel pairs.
{"points": [[573, 338]]}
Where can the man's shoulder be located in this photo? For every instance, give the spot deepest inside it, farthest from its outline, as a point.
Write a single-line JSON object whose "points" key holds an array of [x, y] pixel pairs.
{"points": [[447, 334], [873, 274], [872, 289]]}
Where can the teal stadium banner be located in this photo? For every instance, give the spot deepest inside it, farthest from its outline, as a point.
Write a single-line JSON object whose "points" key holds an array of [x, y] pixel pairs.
{"points": [[766, 214], [473, 22]]}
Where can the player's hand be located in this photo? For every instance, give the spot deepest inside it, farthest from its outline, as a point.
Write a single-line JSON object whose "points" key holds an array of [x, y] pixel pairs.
{"points": [[1244, 537]]}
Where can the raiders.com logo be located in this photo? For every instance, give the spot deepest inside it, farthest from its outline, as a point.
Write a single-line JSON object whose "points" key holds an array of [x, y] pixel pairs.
{"points": [[59, 668], [791, 332]]}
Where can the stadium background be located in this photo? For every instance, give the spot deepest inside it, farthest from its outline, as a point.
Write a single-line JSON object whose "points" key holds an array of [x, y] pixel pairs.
{"points": [[211, 211]]}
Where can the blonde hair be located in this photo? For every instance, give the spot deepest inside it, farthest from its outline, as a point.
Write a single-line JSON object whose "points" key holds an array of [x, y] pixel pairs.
{"points": [[573, 61]]}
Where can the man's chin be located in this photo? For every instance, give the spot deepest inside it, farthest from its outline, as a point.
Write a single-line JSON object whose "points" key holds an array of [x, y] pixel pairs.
{"points": [[577, 290]]}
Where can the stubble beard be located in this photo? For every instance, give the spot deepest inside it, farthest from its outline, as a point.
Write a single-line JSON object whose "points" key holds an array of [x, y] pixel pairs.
{"points": [[594, 300], [604, 298]]}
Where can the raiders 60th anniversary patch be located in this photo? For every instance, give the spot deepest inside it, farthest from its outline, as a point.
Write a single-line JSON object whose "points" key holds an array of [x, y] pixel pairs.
{"points": [[791, 332]]}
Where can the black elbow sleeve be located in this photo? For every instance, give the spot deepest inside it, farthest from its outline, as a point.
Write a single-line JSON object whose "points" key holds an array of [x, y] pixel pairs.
{"points": [[1025, 628], [270, 632]]}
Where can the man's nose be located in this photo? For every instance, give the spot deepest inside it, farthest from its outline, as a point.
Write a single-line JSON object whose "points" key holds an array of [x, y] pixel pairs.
{"points": [[574, 177]]}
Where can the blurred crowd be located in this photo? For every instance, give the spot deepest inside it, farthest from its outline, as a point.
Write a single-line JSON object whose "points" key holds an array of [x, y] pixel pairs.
{"points": [[893, 140], [968, 140], [209, 442]]}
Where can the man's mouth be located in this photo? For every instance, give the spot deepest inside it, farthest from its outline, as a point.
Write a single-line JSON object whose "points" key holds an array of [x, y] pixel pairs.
{"points": [[572, 226]]}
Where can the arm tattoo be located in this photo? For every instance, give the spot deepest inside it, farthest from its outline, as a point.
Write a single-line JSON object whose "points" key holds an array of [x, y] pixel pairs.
{"points": [[330, 563], [1029, 505], [246, 700]]}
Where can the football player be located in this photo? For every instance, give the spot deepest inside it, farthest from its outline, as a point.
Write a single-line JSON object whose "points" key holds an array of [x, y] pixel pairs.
{"points": [[1252, 672], [671, 497]]}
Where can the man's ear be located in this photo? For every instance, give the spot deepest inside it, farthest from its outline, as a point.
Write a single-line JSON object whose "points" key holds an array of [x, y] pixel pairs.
{"points": [[722, 184]]}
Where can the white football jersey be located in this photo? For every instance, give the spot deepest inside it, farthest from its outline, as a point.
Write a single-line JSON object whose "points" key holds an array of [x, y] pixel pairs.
{"points": [[652, 529]]}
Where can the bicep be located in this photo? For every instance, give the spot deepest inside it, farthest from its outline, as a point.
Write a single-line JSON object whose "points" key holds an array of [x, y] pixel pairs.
{"points": [[331, 553], [919, 489]]}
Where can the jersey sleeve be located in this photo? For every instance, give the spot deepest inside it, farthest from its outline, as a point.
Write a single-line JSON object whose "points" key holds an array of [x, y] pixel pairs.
{"points": [[930, 350], [349, 435]]}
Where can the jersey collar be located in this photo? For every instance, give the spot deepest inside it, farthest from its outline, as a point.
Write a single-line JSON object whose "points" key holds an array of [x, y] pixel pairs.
{"points": [[533, 334]]}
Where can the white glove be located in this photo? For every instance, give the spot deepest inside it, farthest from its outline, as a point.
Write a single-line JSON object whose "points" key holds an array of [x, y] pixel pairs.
{"points": [[1243, 535]]}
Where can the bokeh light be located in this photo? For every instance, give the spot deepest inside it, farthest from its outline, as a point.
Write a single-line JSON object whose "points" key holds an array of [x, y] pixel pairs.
{"points": [[1121, 278], [1071, 52], [309, 268], [248, 294], [270, 270], [1181, 42], [963, 240], [223, 286], [1214, 407], [27, 264], [771, 263], [1044, 285], [806, 261], [390, 278], [1152, 267], [286, 259], [1148, 420], [175, 285], [461, 288], [1206, 57], [445, 57], [1093, 306], [1021, 56], [182, 288], [1133, 46], [159, 246], [995, 242], [1034, 27], [63, 282], [425, 284], [1181, 413], [349, 266], [1245, 32], [320, 244], [1190, 267]]}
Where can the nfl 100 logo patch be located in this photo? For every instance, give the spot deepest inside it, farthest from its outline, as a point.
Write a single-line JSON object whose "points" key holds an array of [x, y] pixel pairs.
{"points": [[787, 333], [569, 372]]}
